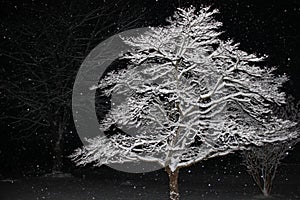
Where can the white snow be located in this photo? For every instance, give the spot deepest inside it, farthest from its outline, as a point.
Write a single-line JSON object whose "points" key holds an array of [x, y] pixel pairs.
{"points": [[184, 83]]}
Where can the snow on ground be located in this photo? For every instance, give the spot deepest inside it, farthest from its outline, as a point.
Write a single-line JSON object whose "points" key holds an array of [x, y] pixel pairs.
{"points": [[153, 186]]}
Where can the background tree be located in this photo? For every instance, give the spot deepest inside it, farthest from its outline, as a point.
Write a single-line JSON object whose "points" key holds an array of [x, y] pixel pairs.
{"points": [[191, 95], [43, 52], [262, 162]]}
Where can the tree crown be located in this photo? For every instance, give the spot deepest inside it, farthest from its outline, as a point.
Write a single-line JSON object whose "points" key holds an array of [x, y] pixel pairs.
{"points": [[189, 95]]}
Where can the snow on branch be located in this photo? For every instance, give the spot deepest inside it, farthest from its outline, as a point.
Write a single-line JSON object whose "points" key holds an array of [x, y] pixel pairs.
{"points": [[197, 95], [262, 161]]}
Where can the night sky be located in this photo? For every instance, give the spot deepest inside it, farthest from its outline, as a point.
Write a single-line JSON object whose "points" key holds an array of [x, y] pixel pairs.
{"points": [[270, 28]]}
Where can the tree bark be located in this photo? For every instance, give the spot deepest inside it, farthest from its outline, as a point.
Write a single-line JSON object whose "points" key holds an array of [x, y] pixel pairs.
{"points": [[266, 192], [57, 151], [267, 185], [173, 183]]}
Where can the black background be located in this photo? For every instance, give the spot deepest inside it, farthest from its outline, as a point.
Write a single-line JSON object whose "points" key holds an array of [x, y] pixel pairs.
{"points": [[261, 27]]}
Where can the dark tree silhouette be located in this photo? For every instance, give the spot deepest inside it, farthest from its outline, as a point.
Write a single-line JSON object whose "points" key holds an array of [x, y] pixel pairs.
{"points": [[42, 54], [262, 162]]}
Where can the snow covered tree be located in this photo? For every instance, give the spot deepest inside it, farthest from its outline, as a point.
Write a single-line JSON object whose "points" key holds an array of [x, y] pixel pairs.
{"points": [[192, 96], [262, 162]]}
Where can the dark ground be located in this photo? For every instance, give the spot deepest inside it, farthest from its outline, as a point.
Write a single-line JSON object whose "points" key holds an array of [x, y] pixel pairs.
{"points": [[195, 183]]}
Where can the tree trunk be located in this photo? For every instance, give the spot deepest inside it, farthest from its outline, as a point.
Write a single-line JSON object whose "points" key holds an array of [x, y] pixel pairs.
{"points": [[173, 183], [267, 185], [57, 151], [266, 192]]}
